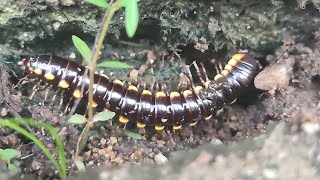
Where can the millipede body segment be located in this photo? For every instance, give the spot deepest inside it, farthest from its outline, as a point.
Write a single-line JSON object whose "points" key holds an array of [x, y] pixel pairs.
{"points": [[147, 108]]}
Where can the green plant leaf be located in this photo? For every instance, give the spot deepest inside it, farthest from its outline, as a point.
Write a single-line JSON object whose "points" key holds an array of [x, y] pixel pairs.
{"points": [[131, 17], [132, 135], [8, 154], [77, 119], [114, 65], [80, 166], [12, 168], [103, 116], [82, 47], [99, 3]]}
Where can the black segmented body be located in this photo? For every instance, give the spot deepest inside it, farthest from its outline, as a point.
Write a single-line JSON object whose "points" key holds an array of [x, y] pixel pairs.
{"points": [[158, 109]]}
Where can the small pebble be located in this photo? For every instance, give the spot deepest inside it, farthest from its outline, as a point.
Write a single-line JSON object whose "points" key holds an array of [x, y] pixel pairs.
{"points": [[270, 173], [113, 140], [275, 76], [160, 158], [56, 25], [215, 141], [310, 127], [103, 141], [72, 55], [4, 112]]}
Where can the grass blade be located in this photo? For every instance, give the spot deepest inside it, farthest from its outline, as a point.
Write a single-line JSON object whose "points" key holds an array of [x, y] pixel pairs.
{"points": [[13, 124]]}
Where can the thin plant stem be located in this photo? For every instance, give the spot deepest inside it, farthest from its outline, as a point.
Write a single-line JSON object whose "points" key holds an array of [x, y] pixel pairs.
{"points": [[96, 50]]}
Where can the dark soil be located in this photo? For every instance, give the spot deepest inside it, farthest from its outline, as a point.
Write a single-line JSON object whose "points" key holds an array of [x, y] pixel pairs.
{"points": [[290, 84]]}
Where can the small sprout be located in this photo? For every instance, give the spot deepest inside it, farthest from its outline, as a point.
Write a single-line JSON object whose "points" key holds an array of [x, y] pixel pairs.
{"points": [[8, 154], [103, 116], [80, 166], [77, 119], [12, 168], [82, 47], [132, 135], [131, 17], [114, 65], [99, 3]]}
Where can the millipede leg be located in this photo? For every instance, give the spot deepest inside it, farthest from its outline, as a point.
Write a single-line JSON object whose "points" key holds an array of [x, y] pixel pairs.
{"points": [[184, 82], [153, 86], [21, 81], [169, 134], [60, 103], [124, 126], [47, 93], [54, 98], [218, 67], [35, 88], [67, 106], [163, 88], [204, 71], [144, 132], [158, 88], [187, 72], [199, 73]]}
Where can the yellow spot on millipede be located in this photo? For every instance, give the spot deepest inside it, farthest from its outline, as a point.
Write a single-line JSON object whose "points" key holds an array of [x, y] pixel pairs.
{"points": [[141, 125], [146, 92], [177, 127], [233, 62], [197, 89], [63, 84], [38, 71], [123, 120], [94, 104], [225, 73], [187, 93], [174, 94], [228, 67], [207, 118], [159, 128], [77, 93], [117, 81], [206, 84], [133, 88], [49, 76], [217, 77], [103, 75], [193, 124], [238, 57], [160, 94]]}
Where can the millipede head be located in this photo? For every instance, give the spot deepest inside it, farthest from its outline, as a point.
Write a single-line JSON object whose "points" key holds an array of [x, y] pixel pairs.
{"points": [[28, 64], [24, 63]]}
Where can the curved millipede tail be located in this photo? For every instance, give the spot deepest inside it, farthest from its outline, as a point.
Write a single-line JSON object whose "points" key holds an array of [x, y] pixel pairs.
{"points": [[146, 108], [238, 73]]}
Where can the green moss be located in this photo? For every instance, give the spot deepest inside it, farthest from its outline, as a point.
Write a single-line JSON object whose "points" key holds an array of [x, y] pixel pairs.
{"points": [[9, 11], [303, 3], [37, 27]]}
